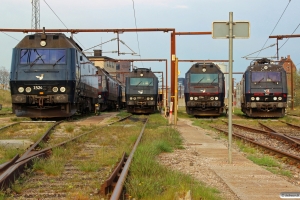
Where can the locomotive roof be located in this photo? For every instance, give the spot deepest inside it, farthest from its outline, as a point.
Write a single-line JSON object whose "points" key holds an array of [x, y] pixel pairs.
{"points": [[53, 40], [264, 65], [209, 66], [137, 71]]}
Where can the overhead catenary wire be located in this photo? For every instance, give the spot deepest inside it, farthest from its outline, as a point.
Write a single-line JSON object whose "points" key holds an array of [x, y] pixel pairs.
{"points": [[61, 21], [274, 27], [289, 38], [137, 36], [259, 50], [9, 36]]}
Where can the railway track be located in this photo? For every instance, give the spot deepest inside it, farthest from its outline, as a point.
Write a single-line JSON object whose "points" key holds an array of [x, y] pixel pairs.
{"points": [[78, 170], [115, 182], [270, 140]]}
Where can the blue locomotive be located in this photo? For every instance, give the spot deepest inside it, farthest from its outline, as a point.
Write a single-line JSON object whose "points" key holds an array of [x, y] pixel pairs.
{"points": [[204, 90], [264, 89], [141, 91], [51, 77]]}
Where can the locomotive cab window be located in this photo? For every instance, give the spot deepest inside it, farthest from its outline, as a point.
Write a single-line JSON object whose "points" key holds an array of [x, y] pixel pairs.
{"points": [[43, 56], [204, 78], [141, 81], [258, 77]]}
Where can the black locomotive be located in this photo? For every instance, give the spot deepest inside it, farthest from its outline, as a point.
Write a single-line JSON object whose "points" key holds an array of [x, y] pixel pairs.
{"points": [[264, 89], [204, 90], [51, 77], [111, 92], [141, 91]]}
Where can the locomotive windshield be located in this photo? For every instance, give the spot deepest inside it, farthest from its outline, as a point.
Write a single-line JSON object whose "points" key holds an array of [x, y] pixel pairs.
{"points": [[43, 56], [266, 77], [141, 81], [204, 78]]}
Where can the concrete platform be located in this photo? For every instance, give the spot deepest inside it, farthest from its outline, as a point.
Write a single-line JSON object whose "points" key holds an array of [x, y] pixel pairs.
{"points": [[246, 179], [19, 144]]}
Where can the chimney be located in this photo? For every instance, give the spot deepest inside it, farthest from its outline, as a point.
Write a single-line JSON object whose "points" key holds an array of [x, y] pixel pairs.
{"points": [[288, 56], [97, 52]]}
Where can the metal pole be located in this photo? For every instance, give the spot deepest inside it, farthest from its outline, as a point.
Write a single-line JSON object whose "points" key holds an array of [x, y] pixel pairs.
{"points": [[277, 48], [230, 86], [166, 83], [292, 84], [176, 91]]}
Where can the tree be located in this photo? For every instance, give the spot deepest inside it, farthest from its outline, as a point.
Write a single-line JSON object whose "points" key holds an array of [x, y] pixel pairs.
{"points": [[4, 78], [297, 88]]}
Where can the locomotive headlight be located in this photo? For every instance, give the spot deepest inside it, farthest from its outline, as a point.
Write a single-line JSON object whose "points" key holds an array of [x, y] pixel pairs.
{"points": [[257, 98], [130, 98], [211, 98], [148, 98], [28, 89], [99, 96], [274, 98], [55, 89], [134, 98], [196, 98], [43, 43], [62, 89], [151, 98], [191, 98], [252, 98], [216, 98], [279, 98], [20, 89]]}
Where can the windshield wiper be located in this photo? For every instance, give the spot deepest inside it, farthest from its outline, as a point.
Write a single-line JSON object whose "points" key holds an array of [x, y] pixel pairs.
{"points": [[31, 64], [271, 79], [200, 80], [214, 80], [138, 83], [58, 60], [260, 80], [149, 83]]}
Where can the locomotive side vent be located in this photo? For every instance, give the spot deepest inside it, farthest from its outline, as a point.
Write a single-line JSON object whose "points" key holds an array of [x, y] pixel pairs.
{"points": [[31, 37]]}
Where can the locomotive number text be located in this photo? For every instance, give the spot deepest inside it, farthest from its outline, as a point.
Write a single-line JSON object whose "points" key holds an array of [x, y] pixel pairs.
{"points": [[36, 87]]}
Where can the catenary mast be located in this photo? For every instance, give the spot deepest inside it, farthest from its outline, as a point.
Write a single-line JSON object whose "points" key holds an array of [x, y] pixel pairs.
{"points": [[35, 19]]}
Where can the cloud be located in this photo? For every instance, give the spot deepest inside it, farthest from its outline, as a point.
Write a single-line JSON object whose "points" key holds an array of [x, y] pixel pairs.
{"points": [[182, 7]]}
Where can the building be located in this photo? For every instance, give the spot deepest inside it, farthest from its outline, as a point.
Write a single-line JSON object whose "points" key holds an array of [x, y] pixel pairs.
{"points": [[288, 65], [291, 70], [122, 69], [115, 68]]}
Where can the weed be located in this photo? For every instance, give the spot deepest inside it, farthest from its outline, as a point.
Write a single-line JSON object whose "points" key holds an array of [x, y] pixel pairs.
{"points": [[69, 128], [149, 179]]}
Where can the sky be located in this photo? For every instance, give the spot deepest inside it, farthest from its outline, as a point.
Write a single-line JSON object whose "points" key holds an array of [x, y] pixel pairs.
{"points": [[276, 17]]}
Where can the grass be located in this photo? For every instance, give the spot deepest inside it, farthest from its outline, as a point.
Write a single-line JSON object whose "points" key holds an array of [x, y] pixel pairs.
{"points": [[295, 111], [5, 99], [266, 161], [149, 179]]}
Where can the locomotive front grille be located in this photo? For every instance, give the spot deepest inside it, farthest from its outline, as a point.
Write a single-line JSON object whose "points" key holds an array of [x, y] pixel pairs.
{"points": [[204, 104], [32, 99]]}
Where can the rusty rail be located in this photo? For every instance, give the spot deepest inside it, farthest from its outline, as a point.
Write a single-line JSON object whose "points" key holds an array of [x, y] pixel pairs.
{"points": [[116, 180], [296, 158], [292, 125], [278, 136], [12, 169]]}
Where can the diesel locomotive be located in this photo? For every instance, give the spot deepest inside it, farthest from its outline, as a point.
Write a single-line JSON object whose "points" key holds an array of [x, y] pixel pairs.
{"points": [[51, 77], [141, 91], [264, 89], [111, 92], [204, 90]]}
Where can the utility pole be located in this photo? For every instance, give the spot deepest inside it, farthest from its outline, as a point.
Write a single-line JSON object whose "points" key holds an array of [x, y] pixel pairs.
{"points": [[35, 18]]}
